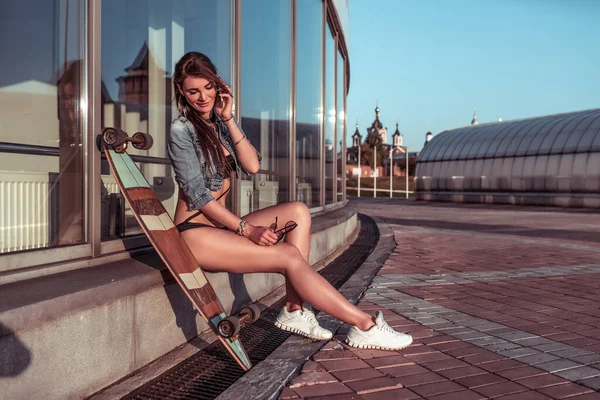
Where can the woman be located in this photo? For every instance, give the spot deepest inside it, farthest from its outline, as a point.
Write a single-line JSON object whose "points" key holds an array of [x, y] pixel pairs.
{"points": [[205, 146]]}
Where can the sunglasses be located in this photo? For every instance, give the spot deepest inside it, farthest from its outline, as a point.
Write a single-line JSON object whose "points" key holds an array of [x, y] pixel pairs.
{"points": [[289, 226]]}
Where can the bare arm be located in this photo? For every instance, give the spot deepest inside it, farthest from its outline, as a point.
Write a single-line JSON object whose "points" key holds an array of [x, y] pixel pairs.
{"points": [[246, 153]]}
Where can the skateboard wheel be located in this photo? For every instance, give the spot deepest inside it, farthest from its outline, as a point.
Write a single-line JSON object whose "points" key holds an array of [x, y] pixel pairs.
{"points": [[142, 141], [229, 327], [250, 313], [113, 137]]}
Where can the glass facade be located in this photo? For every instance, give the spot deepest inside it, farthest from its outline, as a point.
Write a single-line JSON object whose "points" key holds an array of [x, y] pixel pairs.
{"points": [[141, 42], [266, 100], [340, 127], [47, 133], [309, 107], [330, 118], [42, 114]]}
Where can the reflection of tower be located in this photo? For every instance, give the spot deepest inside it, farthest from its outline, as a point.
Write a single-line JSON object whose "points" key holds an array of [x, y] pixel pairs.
{"points": [[133, 87]]}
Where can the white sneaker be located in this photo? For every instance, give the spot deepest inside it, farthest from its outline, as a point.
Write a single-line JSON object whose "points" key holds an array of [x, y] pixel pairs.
{"points": [[381, 336], [302, 322]]}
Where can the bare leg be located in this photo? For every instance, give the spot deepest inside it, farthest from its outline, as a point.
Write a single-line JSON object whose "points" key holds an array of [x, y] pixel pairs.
{"points": [[299, 237], [219, 250]]}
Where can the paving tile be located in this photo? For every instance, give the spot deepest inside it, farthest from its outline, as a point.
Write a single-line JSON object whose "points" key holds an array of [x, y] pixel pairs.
{"points": [[391, 361], [313, 378], [437, 388], [356, 374], [339, 365], [440, 365], [541, 381], [483, 358], [462, 395], [593, 383], [476, 381], [395, 394], [333, 355], [288, 393], [312, 366], [373, 385], [404, 370], [501, 365], [566, 390], [521, 372], [322, 390], [465, 352], [588, 396], [371, 353], [420, 379], [461, 372], [537, 358], [500, 389], [578, 373], [529, 395], [343, 396]]}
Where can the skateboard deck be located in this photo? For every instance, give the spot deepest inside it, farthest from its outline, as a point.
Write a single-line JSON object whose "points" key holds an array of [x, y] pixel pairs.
{"points": [[175, 253]]}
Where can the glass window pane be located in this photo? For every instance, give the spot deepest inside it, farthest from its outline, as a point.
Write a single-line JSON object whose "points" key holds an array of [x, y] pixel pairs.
{"points": [[41, 104], [266, 78], [329, 114], [340, 131], [141, 43], [309, 107]]}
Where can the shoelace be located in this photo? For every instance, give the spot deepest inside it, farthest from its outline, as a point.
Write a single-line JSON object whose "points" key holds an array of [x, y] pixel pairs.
{"points": [[310, 317], [388, 329]]}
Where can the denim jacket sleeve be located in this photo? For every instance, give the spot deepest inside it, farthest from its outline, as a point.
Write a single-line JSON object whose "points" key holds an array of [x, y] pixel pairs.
{"points": [[188, 170]]}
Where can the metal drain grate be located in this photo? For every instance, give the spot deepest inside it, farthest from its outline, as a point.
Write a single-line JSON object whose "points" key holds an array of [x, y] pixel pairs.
{"points": [[209, 372]]}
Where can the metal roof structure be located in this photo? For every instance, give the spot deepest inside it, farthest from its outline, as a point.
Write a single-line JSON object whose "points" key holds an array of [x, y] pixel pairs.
{"points": [[551, 154]]}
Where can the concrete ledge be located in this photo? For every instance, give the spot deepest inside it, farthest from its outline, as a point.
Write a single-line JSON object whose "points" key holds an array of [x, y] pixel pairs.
{"points": [[69, 335]]}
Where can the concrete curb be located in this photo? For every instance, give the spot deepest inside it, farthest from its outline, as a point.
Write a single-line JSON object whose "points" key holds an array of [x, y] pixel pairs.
{"points": [[268, 378]]}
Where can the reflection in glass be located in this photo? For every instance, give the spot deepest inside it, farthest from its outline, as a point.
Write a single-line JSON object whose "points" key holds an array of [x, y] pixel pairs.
{"points": [[42, 197], [265, 101], [341, 122], [141, 42], [330, 116], [309, 110]]}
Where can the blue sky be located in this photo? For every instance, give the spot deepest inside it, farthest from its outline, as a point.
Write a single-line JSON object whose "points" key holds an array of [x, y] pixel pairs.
{"points": [[429, 63]]}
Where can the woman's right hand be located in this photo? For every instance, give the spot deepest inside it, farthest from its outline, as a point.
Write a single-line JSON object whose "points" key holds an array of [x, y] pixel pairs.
{"points": [[261, 235]]}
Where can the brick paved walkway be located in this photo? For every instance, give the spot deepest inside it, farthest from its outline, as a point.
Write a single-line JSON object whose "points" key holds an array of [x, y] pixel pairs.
{"points": [[503, 302]]}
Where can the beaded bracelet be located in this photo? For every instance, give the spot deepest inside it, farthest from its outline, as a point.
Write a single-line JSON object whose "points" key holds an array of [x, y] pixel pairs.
{"points": [[242, 227]]}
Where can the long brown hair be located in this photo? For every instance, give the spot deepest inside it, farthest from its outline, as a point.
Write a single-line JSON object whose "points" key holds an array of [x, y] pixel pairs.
{"points": [[199, 65]]}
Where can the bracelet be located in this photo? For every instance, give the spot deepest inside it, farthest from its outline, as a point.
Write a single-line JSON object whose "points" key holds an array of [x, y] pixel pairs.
{"points": [[239, 141], [227, 120], [242, 227]]}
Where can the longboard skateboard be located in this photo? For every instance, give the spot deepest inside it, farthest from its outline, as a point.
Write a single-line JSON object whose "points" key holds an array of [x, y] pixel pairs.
{"points": [[166, 240]]}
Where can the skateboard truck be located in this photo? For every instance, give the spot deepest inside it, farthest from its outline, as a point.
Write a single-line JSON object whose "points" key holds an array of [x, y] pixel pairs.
{"points": [[118, 139], [230, 326]]}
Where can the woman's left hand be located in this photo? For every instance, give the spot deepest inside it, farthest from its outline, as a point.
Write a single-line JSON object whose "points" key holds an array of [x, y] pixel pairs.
{"points": [[224, 105]]}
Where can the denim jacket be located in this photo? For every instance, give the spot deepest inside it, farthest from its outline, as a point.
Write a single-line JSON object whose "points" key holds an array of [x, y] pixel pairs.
{"points": [[187, 160]]}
